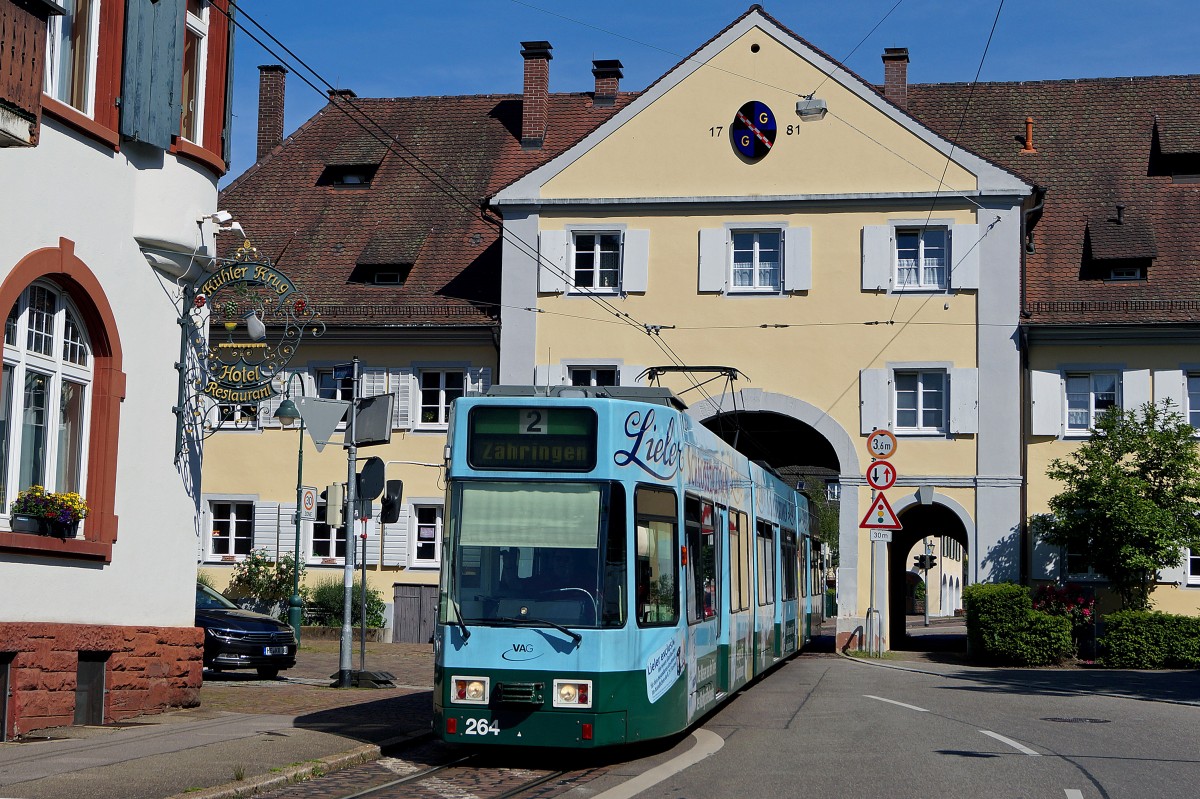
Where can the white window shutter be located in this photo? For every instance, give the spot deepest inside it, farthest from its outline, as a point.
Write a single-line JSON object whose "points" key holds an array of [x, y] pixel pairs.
{"points": [[287, 528], [874, 400], [549, 375], [797, 259], [1046, 415], [372, 528], [395, 540], [964, 257], [1135, 388], [628, 375], [374, 382], [266, 526], [267, 408], [401, 381], [1170, 384], [1177, 574], [552, 261], [479, 379], [713, 252], [636, 262], [964, 400], [877, 257]]}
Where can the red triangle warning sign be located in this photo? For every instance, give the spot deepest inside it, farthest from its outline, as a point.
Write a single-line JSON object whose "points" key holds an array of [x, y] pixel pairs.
{"points": [[881, 516]]}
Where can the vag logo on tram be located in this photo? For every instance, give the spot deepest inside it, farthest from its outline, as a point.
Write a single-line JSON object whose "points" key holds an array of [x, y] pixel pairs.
{"points": [[520, 652]]}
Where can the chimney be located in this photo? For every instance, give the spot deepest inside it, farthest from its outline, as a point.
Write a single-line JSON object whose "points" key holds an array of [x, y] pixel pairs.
{"points": [[536, 101], [608, 82], [895, 75], [1028, 148], [272, 79]]}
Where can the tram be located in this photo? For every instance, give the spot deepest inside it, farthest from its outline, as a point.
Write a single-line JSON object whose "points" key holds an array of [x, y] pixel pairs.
{"points": [[612, 570]]}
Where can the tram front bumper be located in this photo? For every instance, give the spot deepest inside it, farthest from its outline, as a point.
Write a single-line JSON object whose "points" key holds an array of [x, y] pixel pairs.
{"points": [[486, 726]]}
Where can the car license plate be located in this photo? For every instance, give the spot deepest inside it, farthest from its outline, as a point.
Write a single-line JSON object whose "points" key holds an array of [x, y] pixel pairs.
{"points": [[274, 650]]}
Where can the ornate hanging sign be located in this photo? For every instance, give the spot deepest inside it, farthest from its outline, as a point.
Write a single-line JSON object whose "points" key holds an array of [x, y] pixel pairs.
{"points": [[242, 323]]}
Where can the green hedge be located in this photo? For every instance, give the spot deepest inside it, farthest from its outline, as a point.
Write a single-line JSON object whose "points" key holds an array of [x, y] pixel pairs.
{"points": [[1149, 640], [1003, 627], [326, 604]]}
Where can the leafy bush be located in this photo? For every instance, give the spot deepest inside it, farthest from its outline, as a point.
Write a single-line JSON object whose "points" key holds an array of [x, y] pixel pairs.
{"points": [[1003, 627], [1148, 640], [326, 604], [265, 583]]}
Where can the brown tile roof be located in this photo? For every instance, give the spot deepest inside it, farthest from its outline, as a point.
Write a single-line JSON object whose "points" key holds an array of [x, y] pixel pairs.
{"points": [[442, 158], [1096, 148]]}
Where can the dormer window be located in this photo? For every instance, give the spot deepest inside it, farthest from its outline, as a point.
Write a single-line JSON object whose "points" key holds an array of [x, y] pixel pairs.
{"points": [[1118, 247], [348, 175], [1127, 273]]}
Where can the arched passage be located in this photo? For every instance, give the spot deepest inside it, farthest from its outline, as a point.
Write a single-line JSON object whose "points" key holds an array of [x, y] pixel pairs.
{"points": [[945, 526]]}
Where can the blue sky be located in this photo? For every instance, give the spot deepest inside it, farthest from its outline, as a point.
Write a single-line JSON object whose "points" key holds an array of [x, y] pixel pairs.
{"points": [[393, 48]]}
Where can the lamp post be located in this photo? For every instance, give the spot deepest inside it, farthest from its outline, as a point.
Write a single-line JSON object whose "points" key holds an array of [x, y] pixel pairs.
{"points": [[287, 415]]}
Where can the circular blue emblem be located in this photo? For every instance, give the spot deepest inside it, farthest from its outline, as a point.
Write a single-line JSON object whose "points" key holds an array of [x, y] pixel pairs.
{"points": [[753, 131]]}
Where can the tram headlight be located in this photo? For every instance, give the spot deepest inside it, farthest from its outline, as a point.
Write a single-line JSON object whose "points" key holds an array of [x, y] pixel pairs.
{"points": [[573, 693], [470, 690]]}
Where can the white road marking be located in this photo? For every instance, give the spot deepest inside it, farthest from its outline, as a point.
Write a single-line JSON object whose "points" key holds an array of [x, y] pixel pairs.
{"points": [[894, 702], [1019, 747], [1073, 793], [707, 744]]}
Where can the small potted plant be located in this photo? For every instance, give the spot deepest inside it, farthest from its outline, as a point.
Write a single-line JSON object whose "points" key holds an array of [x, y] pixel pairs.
{"points": [[43, 512]]}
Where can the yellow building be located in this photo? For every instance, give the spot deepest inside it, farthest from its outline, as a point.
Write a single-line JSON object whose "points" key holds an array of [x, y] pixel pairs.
{"points": [[759, 208]]}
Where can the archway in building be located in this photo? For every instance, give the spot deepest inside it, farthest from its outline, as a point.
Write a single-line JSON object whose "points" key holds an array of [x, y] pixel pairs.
{"points": [[939, 528]]}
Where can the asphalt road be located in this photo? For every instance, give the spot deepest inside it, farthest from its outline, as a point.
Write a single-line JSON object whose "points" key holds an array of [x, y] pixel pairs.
{"points": [[832, 727]]}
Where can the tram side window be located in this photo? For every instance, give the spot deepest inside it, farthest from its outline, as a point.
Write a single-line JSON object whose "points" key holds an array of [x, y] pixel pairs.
{"points": [[766, 563], [791, 564], [615, 589], [699, 521], [739, 566], [655, 512]]}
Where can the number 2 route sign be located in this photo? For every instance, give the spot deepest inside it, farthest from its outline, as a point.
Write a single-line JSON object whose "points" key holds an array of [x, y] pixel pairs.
{"points": [[880, 516]]}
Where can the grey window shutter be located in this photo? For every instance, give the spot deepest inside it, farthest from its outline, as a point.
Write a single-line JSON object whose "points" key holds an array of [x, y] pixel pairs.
{"points": [[395, 540], [636, 261], [1046, 415], [152, 79], [1135, 388], [713, 252], [797, 259], [372, 528], [267, 408], [552, 261], [401, 381], [479, 379], [266, 526], [1175, 574], [549, 375], [628, 375], [964, 400], [1170, 384], [877, 257], [964, 257], [874, 400]]}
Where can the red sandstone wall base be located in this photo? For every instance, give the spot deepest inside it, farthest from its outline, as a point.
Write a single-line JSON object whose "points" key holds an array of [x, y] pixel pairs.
{"points": [[149, 670]]}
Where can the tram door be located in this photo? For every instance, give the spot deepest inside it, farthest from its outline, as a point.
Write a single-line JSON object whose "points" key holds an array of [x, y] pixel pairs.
{"points": [[741, 619], [703, 603]]}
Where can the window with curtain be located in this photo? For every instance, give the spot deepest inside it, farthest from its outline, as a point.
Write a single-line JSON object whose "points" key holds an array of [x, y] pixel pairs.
{"points": [[47, 385], [70, 67]]}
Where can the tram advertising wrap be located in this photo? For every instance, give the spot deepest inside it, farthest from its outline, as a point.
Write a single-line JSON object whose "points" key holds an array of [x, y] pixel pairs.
{"points": [[613, 571]]}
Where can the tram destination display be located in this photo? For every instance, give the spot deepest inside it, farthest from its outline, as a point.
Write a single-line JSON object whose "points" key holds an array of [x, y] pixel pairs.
{"points": [[532, 439]]}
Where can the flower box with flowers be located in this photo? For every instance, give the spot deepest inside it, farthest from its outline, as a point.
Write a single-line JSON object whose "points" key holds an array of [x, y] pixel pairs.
{"points": [[43, 512]]}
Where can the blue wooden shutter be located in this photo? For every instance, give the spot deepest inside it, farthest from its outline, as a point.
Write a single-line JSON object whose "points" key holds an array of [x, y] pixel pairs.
{"points": [[152, 79]]}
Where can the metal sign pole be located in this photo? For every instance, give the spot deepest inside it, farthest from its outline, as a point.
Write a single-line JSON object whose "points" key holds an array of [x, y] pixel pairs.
{"points": [[345, 657]]}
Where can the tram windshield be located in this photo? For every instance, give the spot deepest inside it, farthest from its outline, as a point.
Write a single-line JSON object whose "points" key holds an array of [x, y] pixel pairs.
{"points": [[524, 553]]}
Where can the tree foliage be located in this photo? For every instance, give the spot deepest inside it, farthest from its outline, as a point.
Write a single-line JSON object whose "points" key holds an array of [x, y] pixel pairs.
{"points": [[1131, 500]]}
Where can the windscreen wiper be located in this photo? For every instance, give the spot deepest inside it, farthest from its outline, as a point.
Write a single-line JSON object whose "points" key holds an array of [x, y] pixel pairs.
{"points": [[462, 625], [527, 621]]}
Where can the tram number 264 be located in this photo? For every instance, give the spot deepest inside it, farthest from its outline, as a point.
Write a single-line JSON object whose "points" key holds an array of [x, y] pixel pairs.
{"points": [[481, 727]]}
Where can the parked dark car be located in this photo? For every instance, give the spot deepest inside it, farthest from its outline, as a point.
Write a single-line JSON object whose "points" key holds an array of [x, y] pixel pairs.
{"points": [[242, 639]]}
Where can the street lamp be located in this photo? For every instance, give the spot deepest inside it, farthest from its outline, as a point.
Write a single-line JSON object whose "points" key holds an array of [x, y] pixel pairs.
{"points": [[288, 414]]}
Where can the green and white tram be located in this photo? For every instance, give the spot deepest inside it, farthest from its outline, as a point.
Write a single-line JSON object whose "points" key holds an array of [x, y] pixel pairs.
{"points": [[613, 570]]}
